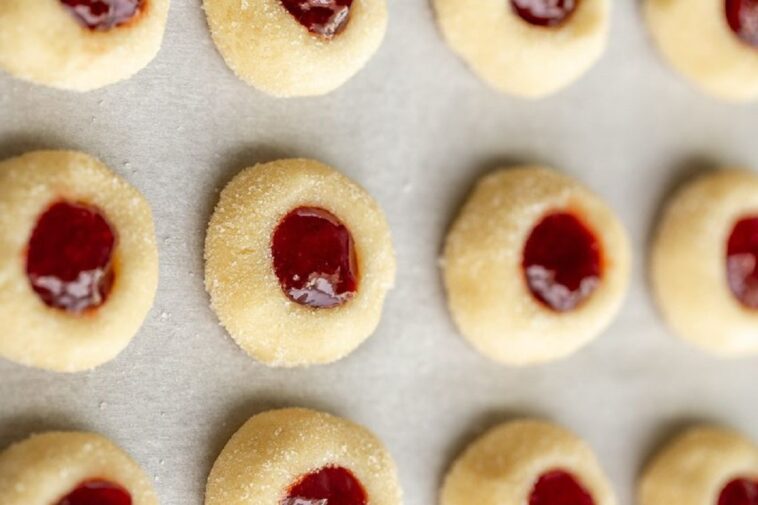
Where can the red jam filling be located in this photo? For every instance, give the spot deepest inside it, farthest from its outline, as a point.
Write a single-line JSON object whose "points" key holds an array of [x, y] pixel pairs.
{"points": [[562, 261], [323, 17], [103, 15], [558, 487], [69, 257], [739, 492], [742, 16], [314, 258], [97, 492], [332, 485], [546, 13], [742, 261]]}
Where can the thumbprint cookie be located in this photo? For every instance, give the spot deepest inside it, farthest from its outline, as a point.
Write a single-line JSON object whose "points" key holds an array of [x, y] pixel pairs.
{"points": [[78, 261], [527, 48], [535, 266], [70, 468], [527, 462], [702, 466], [79, 45], [299, 260], [290, 48], [704, 262], [300, 457], [713, 43]]}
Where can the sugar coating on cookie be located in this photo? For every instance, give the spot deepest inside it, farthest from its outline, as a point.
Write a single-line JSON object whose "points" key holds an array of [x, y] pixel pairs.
{"points": [[287, 48], [296, 456], [299, 260], [79, 45], [527, 48], [535, 266], [703, 262], [528, 462], [71, 468], [78, 260], [702, 466], [713, 43]]}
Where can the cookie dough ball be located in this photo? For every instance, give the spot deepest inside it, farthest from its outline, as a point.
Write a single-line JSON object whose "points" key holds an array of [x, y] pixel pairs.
{"points": [[713, 43], [703, 466], [79, 45], [527, 462], [292, 48], [704, 264], [527, 48], [78, 261], [535, 266], [299, 260], [69, 468], [297, 456]]}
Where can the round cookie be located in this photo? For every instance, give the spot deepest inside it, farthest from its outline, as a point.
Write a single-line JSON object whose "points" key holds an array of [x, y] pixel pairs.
{"points": [[70, 468], [527, 48], [290, 48], [293, 456], [74, 45], [702, 466], [527, 461], [78, 261], [535, 266], [299, 260], [703, 262], [713, 43]]}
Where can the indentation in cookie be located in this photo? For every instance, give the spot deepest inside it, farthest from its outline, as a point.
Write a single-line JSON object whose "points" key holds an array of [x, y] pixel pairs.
{"points": [[314, 258], [742, 261], [742, 16], [331, 485], [562, 261], [739, 492], [69, 259], [558, 487], [323, 17], [547, 13], [97, 492], [104, 15]]}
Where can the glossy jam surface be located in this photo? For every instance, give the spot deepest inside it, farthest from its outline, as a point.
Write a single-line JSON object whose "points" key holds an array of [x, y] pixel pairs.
{"points": [[546, 13], [739, 492], [742, 261], [103, 15], [97, 492], [69, 257], [562, 261], [331, 485], [742, 16], [559, 487], [323, 17], [314, 258]]}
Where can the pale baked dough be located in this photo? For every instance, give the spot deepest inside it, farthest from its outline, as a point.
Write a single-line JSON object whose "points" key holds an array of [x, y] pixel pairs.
{"points": [[41, 42], [274, 449], [695, 467], [516, 57], [44, 468], [696, 39], [239, 274], [269, 49], [35, 334], [503, 465], [487, 291], [688, 263]]}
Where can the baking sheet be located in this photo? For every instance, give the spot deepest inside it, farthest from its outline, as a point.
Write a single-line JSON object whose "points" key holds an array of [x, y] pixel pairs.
{"points": [[416, 128]]}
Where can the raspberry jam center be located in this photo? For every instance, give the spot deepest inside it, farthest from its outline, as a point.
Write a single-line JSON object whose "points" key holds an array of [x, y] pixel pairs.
{"points": [[742, 16], [323, 17], [97, 492], [739, 492], [103, 15], [69, 257], [314, 258], [544, 12], [332, 485], [742, 261], [562, 261], [558, 487]]}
